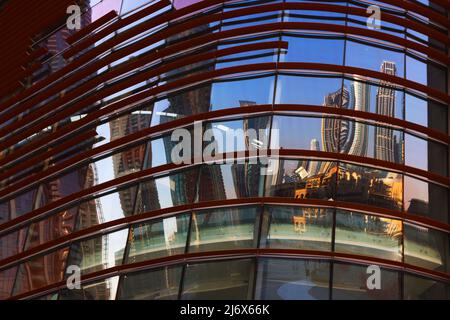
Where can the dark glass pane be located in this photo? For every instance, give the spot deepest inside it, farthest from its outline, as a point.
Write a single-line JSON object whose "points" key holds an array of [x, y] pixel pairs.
{"points": [[223, 229], [427, 248], [297, 228], [12, 243], [302, 179], [283, 279], [427, 73], [52, 227], [370, 186], [426, 199], [41, 271], [368, 235], [52, 296], [7, 278], [350, 283], [158, 238], [418, 288], [224, 280], [426, 155], [19, 205], [426, 113], [155, 284]]}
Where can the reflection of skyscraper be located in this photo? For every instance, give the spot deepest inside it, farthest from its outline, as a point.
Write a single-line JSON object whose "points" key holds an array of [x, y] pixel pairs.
{"points": [[336, 133], [187, 103], [246, 176], [130, 160], [385, 105], [314, 165], [361, 97]]}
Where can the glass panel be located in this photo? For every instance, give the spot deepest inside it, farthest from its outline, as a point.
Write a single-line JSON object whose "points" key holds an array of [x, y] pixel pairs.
{"points": [[426, 113], [283, 279], [302, 179], [102, 290], [320, 49], [368, 235], [215, 96], [51, 228], [426, 199], [12, 243], [224, 280], [99, 253], [242, 92], [7, 278], [155, 284], [109, 207], [426, 73], [370, 186], [379, 142], [159, 151], [249, 57], [159, 238], [237, 135], [304, 133], [314, 16], [307, 90], [230, 181], [380, 97], [223, 229], [169, 191], [426, 155], [350, 283], [19, 205], [427, 248], [41, 271], [297, 228], [381, 59], [418, 288]]}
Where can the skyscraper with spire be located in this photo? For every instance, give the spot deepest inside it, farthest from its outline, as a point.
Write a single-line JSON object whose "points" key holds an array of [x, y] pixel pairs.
{"points": [[385, 105]]}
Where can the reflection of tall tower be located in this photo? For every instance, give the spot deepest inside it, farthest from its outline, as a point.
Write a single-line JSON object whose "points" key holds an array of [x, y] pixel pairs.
{"points": [[336, 133], [361, 97], [384, 137], [246, 176], [130, 160], [314, 165], [190, 102]]}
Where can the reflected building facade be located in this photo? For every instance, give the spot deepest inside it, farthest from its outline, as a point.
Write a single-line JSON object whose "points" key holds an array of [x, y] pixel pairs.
{"points": [[385, 144], [358, 177], [360, 92]]}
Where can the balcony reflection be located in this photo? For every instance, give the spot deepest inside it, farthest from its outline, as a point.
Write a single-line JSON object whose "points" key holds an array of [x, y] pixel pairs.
{"points": [[368, 235], [224, 229], [297, 228]]}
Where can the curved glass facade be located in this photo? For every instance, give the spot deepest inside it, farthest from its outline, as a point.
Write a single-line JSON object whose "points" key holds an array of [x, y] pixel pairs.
{"points": [[313, 147]]}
